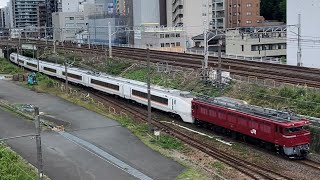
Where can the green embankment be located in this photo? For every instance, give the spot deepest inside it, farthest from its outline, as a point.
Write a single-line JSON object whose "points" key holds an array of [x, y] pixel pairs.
{"points": [[13, 167]]}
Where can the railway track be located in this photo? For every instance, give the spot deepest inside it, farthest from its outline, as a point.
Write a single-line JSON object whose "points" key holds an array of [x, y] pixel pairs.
{"points": [[310, 163], [252, 170], [277, 72]]}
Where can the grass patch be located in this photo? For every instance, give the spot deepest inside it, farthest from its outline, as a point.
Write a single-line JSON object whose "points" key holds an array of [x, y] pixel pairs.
{"points": [[192, 174], [12, 166], [6, 67], [219, 166]]}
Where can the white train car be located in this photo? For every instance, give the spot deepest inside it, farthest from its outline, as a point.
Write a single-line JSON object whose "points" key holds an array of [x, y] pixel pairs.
{"points": [[168, 100]]}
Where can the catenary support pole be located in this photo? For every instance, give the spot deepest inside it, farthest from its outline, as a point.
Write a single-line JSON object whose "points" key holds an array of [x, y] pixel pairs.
{"points": [[219, 73], [299, 53], [66, 74], [149, 91], [38, 142], [110, 35]]}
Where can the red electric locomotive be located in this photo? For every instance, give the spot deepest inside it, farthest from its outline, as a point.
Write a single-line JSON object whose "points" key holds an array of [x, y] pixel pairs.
{"points": [[284, 131]]}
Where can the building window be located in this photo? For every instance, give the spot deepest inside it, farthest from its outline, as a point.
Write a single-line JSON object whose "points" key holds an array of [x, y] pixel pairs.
{"points": [[239, 21], [161, 35], [235, 5], [178, 44], [259, 21], [177, 35], [248, 21], [172, 35], [167, 44], [173, 44], [167, 35], [242, 48], [79, 18], [162, 44], [249, 5], [249, 13], [71, 18]]}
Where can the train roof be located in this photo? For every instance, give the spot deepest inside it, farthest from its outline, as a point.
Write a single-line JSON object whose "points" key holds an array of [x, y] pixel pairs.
{"points": [[242, 106]]}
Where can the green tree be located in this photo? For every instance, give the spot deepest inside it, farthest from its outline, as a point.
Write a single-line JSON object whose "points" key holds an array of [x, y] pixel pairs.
{"points": [[273, 9]]}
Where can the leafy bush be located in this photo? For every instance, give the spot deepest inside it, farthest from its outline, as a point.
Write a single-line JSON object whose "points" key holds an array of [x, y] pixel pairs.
{"points": [[7, 67]]}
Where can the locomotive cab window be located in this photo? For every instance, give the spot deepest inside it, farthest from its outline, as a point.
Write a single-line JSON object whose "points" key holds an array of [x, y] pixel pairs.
{"points": [[295, 129], [281, 130], [154, 98]]}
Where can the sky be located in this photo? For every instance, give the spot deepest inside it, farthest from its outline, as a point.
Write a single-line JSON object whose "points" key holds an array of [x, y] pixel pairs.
{"points": [[3, 3]]}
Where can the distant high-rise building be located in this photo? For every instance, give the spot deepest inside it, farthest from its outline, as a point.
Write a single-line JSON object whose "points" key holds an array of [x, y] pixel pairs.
{"points": [[146, 12], [243, 13], [2, 18], [25, 13]]}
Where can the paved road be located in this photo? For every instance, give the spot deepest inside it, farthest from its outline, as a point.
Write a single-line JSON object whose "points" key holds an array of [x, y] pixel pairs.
{"points": [[66, 159]]}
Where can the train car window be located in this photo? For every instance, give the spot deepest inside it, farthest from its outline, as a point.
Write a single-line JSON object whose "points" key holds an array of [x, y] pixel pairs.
{"points": [[104, 84], [73, 75], [276, 129], [49, 69], [153, 97], [32, 65], [20, 62], [281, 130]]}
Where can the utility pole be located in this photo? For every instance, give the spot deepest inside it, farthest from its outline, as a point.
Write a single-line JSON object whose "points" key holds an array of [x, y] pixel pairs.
{"points": [[219, 72], [38, 142], [299, 53], [45, 34], [149, 93], [66, 74], [37, 56], [206, 23], [89, 37], [110, 46], [54, 40]]}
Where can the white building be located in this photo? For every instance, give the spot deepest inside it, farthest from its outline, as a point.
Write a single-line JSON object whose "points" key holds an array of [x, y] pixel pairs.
{"points": [[193, 15], [257, 41], [310, 33], [68, 24], [162, 38], [146, 12]]}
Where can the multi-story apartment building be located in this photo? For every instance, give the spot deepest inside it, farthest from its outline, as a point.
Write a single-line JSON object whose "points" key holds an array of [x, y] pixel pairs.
{"points": [[193, 15], [2, 18], [218, 14], [242, 13], [51, 7], [25, 13], [257, 41]]}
